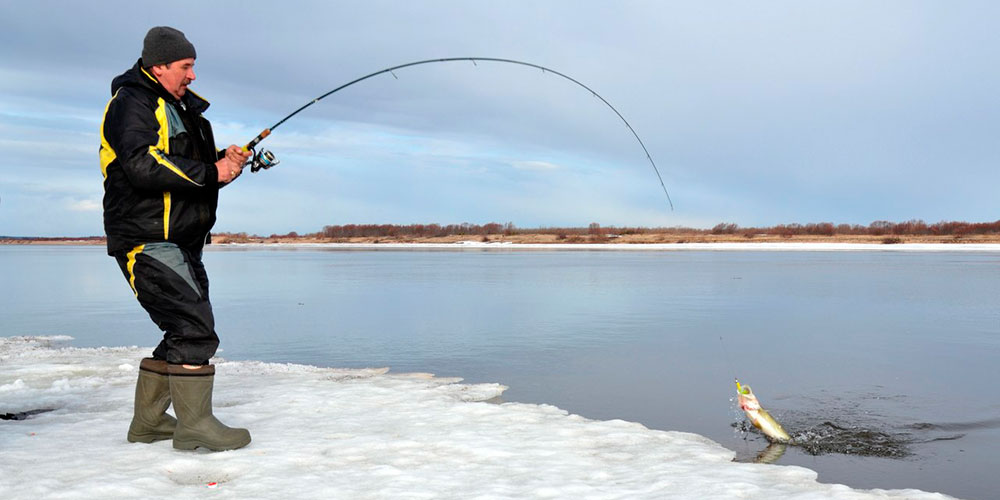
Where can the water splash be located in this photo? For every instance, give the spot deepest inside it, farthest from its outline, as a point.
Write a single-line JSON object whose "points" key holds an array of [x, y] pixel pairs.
{"points": [[829, 437], [851, 439], [865, 423]]}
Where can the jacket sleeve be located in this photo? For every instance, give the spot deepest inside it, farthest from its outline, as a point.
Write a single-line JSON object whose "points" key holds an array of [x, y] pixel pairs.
{"points": [[140, 141]]}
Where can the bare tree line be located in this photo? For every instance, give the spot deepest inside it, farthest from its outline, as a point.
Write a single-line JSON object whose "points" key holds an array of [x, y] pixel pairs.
{"points": [[596, 232], [876, 228]]}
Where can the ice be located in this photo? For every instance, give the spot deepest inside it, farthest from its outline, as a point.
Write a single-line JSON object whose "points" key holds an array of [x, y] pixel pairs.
{"points": [[339, 433]]}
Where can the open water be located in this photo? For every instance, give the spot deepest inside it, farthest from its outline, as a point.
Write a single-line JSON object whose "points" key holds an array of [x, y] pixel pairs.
{"points": [[884, 364]]}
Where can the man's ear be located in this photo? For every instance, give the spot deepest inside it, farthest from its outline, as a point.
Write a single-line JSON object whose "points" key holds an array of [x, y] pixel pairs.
{"points": [[158, 69]]}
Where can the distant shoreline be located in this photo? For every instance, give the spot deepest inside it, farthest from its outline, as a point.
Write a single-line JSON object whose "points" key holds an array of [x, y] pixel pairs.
{"points": [[625, 242], [652, 247]]}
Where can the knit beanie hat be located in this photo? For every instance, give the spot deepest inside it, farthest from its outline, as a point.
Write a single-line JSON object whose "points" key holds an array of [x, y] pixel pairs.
{"points": [[164, 45]]}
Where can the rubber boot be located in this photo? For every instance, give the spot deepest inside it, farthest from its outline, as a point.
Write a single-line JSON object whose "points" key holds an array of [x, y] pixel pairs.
{"points": [[150, 421], [191, 390]]}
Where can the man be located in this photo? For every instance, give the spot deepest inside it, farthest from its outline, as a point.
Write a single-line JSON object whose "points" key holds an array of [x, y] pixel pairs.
{"points": [[162, 176]]}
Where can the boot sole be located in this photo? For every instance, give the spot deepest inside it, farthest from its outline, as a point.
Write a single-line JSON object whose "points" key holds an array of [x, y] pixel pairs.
{"points": [[148, 438], [189, 445]]}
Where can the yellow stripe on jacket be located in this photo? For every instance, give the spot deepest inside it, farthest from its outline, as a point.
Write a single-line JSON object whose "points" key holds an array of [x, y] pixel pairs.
{"points": [[162, 147], [107, 153]]}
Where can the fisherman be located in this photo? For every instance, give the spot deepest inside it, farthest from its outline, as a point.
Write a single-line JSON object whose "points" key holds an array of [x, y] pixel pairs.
{"points": [[162, 175]]}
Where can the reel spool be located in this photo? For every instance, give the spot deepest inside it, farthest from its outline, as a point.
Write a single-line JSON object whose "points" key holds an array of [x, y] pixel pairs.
{"points": [[262, 160]]}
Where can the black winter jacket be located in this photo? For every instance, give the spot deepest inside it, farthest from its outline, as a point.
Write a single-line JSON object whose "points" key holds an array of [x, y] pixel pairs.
{"points": [[158, 159]]}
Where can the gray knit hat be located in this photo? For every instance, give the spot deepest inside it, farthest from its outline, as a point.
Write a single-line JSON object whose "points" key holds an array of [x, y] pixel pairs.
{"points": [[164, 45]]}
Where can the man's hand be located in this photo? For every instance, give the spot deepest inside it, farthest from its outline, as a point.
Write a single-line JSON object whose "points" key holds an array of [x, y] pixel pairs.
{"points": [[231, 166], [236, 154]]}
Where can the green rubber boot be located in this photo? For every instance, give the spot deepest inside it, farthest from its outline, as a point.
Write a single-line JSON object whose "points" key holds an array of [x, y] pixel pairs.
{"points": [[191, 390], [150, 421]]}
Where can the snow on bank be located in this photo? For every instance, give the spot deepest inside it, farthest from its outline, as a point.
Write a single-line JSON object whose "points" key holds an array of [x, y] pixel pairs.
{"points": [[742, 247], [336, 433]]}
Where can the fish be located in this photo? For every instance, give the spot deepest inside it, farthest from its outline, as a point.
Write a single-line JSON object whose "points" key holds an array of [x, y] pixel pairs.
{"points": [[759, 417]]}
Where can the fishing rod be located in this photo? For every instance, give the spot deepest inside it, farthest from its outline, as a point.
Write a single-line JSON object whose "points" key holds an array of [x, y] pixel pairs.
{"points": [[265, 159]]}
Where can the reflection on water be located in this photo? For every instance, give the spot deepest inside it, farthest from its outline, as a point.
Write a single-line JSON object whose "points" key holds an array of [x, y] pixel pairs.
{"points": [[885, 347], [771, 454]]}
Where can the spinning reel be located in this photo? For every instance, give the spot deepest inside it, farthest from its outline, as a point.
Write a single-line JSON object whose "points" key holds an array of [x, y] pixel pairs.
{"points": [[262, 160]]}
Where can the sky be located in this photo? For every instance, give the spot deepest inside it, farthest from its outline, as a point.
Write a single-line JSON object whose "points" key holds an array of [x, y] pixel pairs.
{"points": [[755, 113]]}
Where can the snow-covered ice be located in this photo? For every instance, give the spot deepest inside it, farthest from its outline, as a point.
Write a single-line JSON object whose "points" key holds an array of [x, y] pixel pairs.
{"points": [[339, 433]]}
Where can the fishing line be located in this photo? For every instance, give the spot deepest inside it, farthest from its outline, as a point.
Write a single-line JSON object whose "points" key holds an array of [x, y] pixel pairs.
{"points": [[725, 352], [265, 159], [729, 363]]}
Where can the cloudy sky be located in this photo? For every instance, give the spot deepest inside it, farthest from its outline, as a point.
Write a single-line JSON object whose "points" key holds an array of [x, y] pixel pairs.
{"points": [[756, 113]]}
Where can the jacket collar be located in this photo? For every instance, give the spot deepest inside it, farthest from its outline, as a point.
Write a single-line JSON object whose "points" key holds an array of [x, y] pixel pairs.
{"points": [[137, 76]]}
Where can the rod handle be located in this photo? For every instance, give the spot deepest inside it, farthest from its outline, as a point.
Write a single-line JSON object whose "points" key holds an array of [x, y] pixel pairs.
{"points": [[256, 140]]}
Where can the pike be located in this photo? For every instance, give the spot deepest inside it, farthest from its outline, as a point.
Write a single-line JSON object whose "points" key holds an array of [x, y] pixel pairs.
{"points": [[759, 417]]}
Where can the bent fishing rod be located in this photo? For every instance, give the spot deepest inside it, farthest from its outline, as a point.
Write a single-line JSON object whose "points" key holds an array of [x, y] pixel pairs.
{"points": [[265, 159]]}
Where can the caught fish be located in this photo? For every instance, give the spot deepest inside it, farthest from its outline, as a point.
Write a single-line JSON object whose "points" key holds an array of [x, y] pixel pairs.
{"points": [[759, 417]]}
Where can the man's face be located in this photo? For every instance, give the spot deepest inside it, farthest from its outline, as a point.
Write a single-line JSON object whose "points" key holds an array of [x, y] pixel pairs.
{"points": [[175, 76]]}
